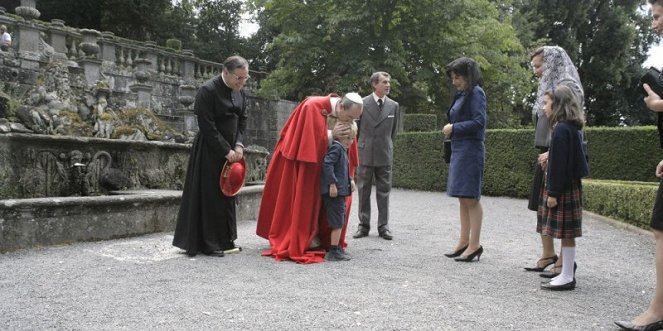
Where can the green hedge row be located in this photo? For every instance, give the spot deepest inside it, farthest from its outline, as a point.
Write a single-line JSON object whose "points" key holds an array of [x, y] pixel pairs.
{"points": [[626, 154], [418, 162], [419, 122], [631, 202]]}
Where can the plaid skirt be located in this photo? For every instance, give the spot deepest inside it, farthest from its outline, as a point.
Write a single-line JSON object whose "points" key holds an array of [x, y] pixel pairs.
{"points": [[565, 220]]}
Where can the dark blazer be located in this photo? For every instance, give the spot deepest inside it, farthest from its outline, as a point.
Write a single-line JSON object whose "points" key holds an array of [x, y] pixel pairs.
{"points": [[566, 159], [470, 119], [335, 169], [377, 132]]}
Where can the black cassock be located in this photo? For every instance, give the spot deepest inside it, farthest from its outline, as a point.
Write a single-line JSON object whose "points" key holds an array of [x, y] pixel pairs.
{"points": [[206, 221]]}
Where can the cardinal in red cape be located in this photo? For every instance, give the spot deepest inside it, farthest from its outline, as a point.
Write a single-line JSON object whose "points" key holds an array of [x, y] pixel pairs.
{"points": [[291, 211]]}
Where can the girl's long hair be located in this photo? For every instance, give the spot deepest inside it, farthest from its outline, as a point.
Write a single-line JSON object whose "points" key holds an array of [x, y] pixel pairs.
{"points": [[565, 107]]}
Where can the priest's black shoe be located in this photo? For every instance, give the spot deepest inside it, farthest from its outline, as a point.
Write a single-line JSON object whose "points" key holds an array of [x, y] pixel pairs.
{"points": [[215, 253], [626, 325], [564, 287], [457, 252], [360, 234], [386, 234], [469, 258]]}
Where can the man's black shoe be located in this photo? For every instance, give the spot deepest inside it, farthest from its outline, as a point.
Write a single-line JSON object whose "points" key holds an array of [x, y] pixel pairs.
{"points": [[360, 234], [386, 234], [215, 253]]}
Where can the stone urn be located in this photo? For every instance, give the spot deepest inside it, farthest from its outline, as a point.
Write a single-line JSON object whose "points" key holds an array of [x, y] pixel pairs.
{"points": [[28, 10], [89, 44], [186, 97], [142, 66]]}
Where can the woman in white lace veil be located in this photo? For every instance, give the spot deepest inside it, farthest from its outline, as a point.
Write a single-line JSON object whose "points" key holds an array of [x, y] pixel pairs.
{"points": [[553, 66]]}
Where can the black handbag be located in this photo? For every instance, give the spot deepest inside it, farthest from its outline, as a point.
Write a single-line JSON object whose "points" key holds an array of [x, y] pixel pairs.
{"points": [[654, 79], [447, 151]]}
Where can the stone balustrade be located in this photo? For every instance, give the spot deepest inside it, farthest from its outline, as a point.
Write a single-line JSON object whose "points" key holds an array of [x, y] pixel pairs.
{"points": [[122, 53]]}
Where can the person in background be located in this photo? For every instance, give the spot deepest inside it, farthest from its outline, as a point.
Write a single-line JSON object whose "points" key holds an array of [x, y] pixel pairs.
{"points": [[5, 38], [553, 67], [652, 318], [375, 140]]}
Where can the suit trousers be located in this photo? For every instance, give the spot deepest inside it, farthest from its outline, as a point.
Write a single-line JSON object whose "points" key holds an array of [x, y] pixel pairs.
{"points": [[382, 175]]}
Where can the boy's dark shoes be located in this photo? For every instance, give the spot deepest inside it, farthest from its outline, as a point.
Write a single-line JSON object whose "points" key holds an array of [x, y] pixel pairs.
{"points": [[336, 255]]}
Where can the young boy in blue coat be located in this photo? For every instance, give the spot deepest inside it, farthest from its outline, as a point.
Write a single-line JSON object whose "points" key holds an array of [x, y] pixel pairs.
{"points": [[335, 186]]}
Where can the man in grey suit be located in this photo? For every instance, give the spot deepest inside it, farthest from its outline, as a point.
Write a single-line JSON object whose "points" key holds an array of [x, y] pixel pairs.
{"points": [[377, 131]]}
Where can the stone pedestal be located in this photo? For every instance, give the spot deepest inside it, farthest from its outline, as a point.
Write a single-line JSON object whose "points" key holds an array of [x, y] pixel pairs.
{"points": [[57, 36], [108, 47], [151, 55], [91, 68], [144, 93], [189, 67]]}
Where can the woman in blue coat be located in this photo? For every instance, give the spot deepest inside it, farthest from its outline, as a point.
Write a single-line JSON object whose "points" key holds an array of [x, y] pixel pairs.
{"points": [[467, 130]]}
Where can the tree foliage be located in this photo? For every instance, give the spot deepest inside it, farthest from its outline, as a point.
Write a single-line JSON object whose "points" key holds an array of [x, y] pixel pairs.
{"points": [[607, 39], [307, 47], [334, 45]]}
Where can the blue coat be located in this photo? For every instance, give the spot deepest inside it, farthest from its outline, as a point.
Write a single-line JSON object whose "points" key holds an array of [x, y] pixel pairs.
{"points": [[469, 118], [335, 169], [566, 159]]}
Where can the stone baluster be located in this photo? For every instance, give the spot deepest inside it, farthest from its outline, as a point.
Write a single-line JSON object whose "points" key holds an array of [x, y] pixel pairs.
{"points": [[120, 59], [162, 65], [169, 67], [108, 47], [73, 50], [129, 61]]}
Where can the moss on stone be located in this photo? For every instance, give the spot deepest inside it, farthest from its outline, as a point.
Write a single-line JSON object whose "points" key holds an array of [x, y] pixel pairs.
{"points": [[77, 126]]}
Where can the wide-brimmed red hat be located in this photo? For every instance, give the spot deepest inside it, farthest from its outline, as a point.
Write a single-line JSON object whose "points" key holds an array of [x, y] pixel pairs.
{"points": [[232, 177]]}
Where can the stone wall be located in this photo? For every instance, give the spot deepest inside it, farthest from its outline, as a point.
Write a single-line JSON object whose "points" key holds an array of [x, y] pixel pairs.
{"points": [[28, 223], [53, 68], [33, 166]]}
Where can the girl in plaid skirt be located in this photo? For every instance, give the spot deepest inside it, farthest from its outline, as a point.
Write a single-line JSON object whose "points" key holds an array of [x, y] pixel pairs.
{"points": [[560, 210]]}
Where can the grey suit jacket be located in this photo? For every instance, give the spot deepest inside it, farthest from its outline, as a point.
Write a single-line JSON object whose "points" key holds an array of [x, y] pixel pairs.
{"points": [[377, 132]]}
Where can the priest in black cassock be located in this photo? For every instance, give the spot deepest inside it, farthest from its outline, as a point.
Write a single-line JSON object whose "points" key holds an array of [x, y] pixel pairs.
{"points": [[207, 222]]}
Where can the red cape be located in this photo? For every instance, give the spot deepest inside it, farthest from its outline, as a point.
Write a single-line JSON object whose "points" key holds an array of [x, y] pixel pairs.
{"points": [[291, 211]]}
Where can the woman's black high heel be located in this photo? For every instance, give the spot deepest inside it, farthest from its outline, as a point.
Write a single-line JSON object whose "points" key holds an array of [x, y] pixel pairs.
{"points": [[551, 260], [470, 257], [457, 252]]}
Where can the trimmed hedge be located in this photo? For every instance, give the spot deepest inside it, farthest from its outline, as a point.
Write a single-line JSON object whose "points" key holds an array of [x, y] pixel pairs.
{"points": [[419, 122], [629, 154], [418, 162], [631, 202]]}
